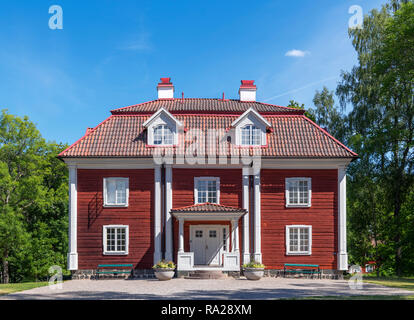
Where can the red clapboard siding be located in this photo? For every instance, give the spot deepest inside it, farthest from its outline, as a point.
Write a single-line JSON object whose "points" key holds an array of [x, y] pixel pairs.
{"points": [[183, 195], [92, 217], [322, 215]]}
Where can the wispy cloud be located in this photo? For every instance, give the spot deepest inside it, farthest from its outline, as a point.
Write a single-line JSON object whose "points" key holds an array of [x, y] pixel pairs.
{"points": [[140, 43], [296, 53], [299, 89]]}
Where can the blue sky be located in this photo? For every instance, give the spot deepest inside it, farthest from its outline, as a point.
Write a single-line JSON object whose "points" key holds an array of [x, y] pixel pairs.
{"points": [[112, 53]]}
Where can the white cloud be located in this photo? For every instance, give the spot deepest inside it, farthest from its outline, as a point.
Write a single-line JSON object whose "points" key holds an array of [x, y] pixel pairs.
{"points": [[140, 43], [296, 53]]}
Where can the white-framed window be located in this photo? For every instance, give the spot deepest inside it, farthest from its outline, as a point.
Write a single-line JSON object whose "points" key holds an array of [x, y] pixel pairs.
{"points": [[298, 240], [251, 135], [163, 135], [115, 239], [207, 189], [116, 192], [298, 192]]}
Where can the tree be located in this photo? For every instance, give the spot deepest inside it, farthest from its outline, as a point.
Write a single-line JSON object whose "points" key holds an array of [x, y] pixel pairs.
{"points": [[327, 115], [294, 104], [33, 201], [381, 123]]}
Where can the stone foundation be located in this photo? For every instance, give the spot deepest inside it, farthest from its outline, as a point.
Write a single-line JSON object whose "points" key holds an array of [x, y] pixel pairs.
{"points": [[326, 274], [91, 274], [149, 274]]}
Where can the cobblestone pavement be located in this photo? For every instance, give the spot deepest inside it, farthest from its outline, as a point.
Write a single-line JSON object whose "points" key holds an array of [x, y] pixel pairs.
{"points": [[265, 288]]}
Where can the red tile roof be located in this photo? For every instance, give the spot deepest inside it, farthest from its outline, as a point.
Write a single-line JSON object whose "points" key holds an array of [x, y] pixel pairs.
{"points": [[292, 136], [196, 105], [208, 208]]}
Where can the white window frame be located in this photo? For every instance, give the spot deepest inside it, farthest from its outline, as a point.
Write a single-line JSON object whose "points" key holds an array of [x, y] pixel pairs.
{"points": [[163, 135], [298, 253], [198, 179], [288, 181], [251, 135], [104, 239], [106, 204]]}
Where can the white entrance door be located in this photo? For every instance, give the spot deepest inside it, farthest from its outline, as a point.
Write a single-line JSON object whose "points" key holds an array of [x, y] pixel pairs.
{"points": [[207, 244]]}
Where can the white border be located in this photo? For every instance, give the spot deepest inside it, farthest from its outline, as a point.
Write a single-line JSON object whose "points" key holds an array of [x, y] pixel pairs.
{"points": [[197, 179], [296, 205], [115, 253], [107, 205], [298, 253]]}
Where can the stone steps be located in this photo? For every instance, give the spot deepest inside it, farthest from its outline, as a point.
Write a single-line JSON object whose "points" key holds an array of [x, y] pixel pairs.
{"points": [[206, 275]]}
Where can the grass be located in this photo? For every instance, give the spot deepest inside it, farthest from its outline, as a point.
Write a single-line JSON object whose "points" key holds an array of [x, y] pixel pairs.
{"points": [[16, 287], [401, 283], [406, 283]]}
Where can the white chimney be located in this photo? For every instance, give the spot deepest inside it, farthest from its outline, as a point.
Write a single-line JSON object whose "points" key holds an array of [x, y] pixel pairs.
{"points": [[165, 89], [247, 90]]}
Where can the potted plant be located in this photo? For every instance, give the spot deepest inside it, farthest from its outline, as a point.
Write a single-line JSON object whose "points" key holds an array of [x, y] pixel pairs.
{"points": [[164, 270], [253, 270]]}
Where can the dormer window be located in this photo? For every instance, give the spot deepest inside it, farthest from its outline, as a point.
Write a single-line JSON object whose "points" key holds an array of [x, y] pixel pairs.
{"points": [[162, 128], [163, 135], [251, 135], [250, 129]]}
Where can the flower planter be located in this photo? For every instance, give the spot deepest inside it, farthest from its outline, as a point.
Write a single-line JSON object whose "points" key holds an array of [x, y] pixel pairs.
{"points": [[253, 273], [164, 274]]}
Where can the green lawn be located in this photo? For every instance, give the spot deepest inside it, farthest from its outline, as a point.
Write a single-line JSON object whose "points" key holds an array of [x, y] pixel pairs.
{"points": [[15, 287], [406, 283], [402, 283]]}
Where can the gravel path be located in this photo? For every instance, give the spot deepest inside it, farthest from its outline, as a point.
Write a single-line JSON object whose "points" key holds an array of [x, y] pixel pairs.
{"points": [[266, 288]]}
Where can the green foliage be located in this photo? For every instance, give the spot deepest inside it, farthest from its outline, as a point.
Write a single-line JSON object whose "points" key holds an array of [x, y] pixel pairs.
{"points": [[33, 202], [294, 104], [164, 265], [254, 264], [380, 128], [327, 115]]}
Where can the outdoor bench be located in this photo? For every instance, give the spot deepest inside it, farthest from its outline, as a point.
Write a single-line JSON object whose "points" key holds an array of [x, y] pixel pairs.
{"points": [[302, 268], [101, 269]]}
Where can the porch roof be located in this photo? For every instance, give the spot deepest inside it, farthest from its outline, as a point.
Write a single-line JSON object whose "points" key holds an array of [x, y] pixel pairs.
{"points": [[208, 211]]}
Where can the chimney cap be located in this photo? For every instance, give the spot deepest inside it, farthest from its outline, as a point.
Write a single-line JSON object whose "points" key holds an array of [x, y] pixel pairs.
{"points": [[248, 84], [165, 82]]}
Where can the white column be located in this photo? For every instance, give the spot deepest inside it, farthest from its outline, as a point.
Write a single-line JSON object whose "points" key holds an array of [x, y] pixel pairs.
{"points": [[257, 220], [168, 218], [246, 231], [180, 235], [73, 217], [342, 254], [235, 235], [157, 214]]}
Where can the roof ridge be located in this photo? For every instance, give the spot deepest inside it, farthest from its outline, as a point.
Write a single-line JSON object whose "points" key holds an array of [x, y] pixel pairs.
{"points": [[118, 110]]}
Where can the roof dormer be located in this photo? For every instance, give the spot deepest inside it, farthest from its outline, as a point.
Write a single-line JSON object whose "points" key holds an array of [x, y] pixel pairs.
{"points": [[250, 129], [162, 128]]}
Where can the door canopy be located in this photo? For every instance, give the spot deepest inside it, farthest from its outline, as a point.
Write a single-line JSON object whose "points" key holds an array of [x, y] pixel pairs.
{"points": [[208, 211]]}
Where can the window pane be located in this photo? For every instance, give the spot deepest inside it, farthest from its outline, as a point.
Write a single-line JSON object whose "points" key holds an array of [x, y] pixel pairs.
{"points": [[121, 192], [298, 192], [207, 191], [116, 239], [110, 191], [293, 239], [199, 233], [163, 135]]}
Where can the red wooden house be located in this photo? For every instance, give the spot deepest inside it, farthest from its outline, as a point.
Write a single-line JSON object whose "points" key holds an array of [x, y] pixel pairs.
{"points": [[207, 183]]}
